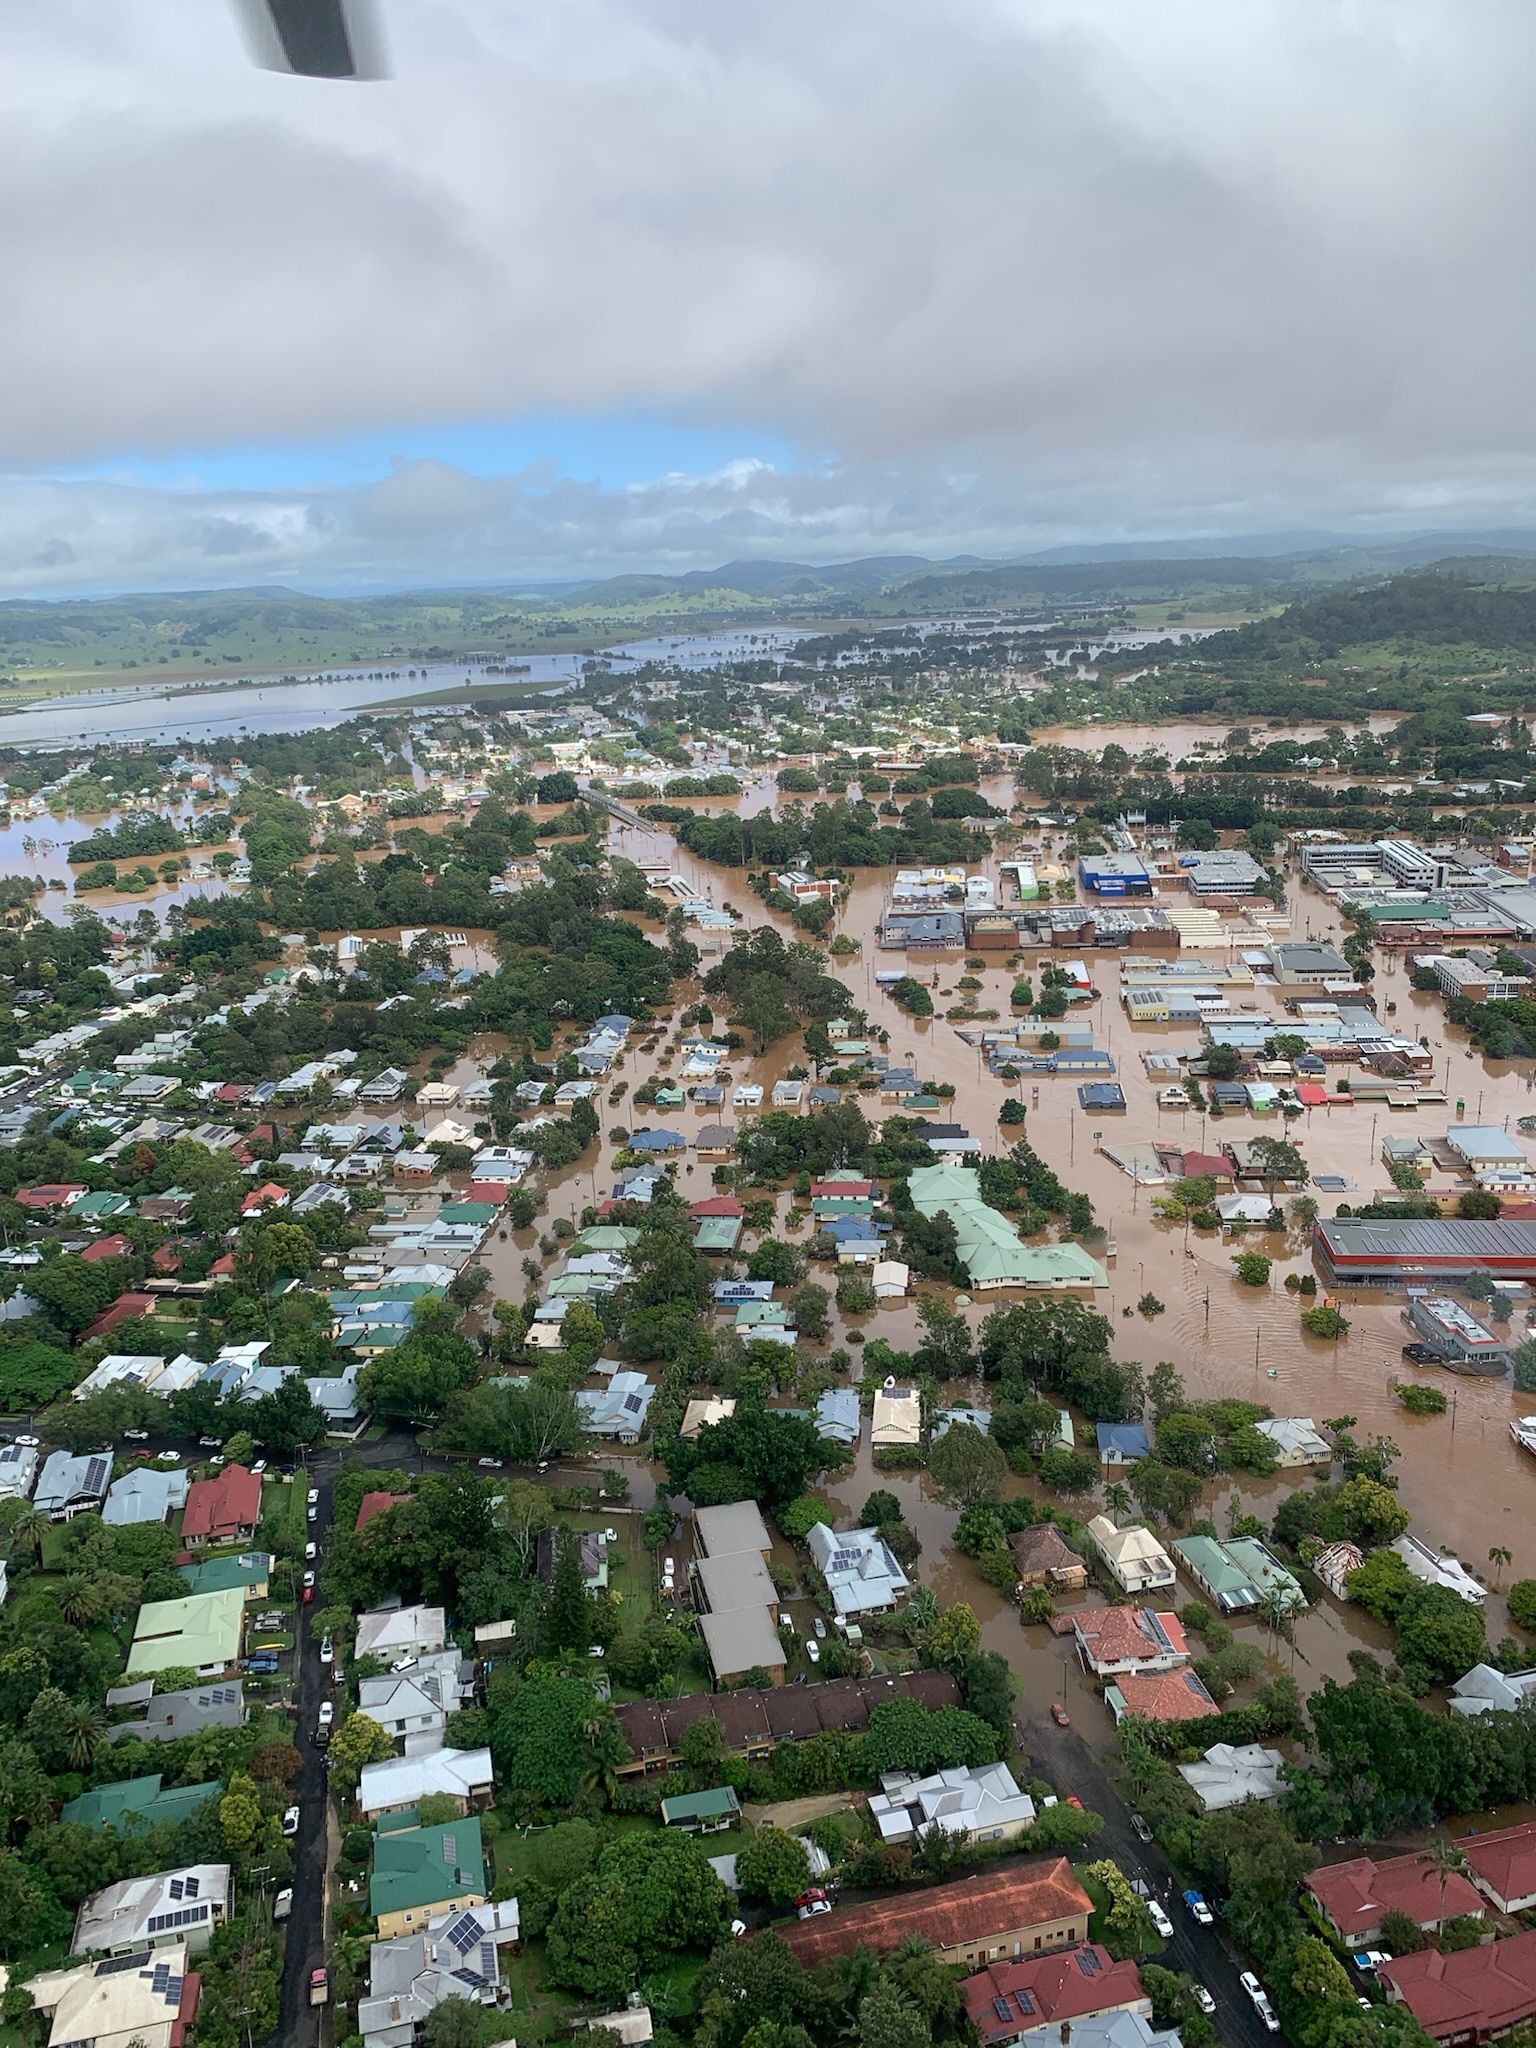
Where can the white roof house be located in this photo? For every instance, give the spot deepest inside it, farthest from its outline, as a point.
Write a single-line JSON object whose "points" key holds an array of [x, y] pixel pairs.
{"points": [[148, 1494], [982, 1804], [1334, 1565], [1435, 1570], [413, 1706], [1297, 1440], [1227, 1775], [1136, 1560], [392, 1632], [148, 1912], [110, 2006], [890, 1279], [408, 1977], [898, 1418], [400, 1781], [1486, 1691], [18, 1470], [68, 1484], [862, 1575]]}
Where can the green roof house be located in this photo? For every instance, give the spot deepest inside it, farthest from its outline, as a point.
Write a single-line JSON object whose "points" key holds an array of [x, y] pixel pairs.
{"points": [[91, 1082], [138, 1801], [717, 1234], [419, 1873], [1238, 1575], [99, 1206], [202, 1631], [251, 1573], [702, 1813], [481, 1214]]}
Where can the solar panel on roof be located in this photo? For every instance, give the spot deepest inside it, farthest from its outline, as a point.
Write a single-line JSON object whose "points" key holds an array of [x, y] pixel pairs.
{"points": [[1088, 1962], [113, 1964], [193, 1887], [462, 1933], [1002, 2008]]}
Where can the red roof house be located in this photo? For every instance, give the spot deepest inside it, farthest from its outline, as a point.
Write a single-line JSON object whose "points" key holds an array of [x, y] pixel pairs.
{"points": [[717, 1205], [222, 1510], [1503, 1866], [1470, 1995], [268, 1196], [222, 1268], [373, 1504], [1112, 1640], [1161, 1696], [493, 1191], [1009, 1999], [1353, 1896], [1038, 1901], [113, 1247], [126, 1305], [167, 1258], [1216, 1165], [233, 1091], [52, 1195]]}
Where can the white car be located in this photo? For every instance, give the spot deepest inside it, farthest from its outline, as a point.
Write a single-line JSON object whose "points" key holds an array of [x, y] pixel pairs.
{"points": [[311, 1513], [327, 1650], [134, 1436], [28, 1443], [313, 1495], [1261, 2004], [1160, 1919], [327, 1716], [1203, 1999], [291, 1822], [259, 1466], [309, 1578], [490, 1464], [309, 1553], [813, 1649], [821, 1628], [161, 1457]]}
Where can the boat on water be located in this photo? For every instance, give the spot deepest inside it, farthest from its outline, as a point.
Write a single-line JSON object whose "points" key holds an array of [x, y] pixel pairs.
{"points": [[1523, 1430]]}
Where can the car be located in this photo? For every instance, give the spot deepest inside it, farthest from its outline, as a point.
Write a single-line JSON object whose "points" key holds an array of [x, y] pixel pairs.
{"points": [[260, 1466], [319, 1986], [309, 1553], [816, 1906], [210, 1443], [1422, 1354], [813, 1649], [1160, 1920], [490, 1464], [811, 1893], [309, 1596], [282, 1905], [164, 1457], [291, 1822], [1261, 2004], [313, 1495], [327, 1650], [310, 1514], [1370, 1959], [309, 1580], [1073, 1800], [1060, 1715], [821, 1629], [327, 1716], [28, 1443], [1200, 1909], [1143, 1832], [1203, 1999], [135, 1436]]}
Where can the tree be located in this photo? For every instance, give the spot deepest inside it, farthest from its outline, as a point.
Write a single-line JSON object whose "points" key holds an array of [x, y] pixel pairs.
{"points": [[358, 1741], [414, 1382], [1372, 1514], [773, 1865], [240, 1810], [954, 1637], [945, 1351], [1522, 1606], [1260, 1864], [1401, 1934], [773, 1259], [287, 1420], [888, 2020], [966, 1467], [1166, 1491], [1252, 1268], [568, 1607], [879, 1510], [1165, 1389], [1439, 1635], [1277, 1160], [541, 1738], [650, 1899], [990, 1689], [1319, 1977], [452, 2023]]}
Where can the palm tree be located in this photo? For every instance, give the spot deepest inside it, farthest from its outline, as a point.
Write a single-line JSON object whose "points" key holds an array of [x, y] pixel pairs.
{"points": [[84, 1730], [606, 1752], [1447, 1861], [26, 1533], [1117, 1498], [80, 1601], [1498, 1557]]}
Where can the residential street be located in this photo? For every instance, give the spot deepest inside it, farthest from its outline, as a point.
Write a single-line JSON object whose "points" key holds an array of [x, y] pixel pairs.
{"points": [[298, 2023]]}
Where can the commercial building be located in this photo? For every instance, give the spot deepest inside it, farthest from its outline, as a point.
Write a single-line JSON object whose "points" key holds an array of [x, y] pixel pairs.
{"points": [[1114, 874], [1357, 1252], [1010, 2001], [173, 1906], [1461, 1340], [1309, 964], [1002, 1913], [1469, 1996], [1353, 1897], [979, 1804]]}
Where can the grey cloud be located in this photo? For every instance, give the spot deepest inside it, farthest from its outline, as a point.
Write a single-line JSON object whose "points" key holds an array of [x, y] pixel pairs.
{"points": [[232, 537]]}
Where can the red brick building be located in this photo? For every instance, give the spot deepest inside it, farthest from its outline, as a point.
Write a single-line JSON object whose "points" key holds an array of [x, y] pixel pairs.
{"points": [[1007, 1913]]}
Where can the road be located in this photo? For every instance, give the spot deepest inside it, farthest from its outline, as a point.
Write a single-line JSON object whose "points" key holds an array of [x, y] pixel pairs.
{"points": [[298, 2022], [1203, 1953]]}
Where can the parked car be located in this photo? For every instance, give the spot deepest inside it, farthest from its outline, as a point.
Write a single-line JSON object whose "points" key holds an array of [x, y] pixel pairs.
{"points": [[310, 1513], [309, 1596], [1261, 2004], [1060, 1715], [327, 1716], [821, 1629], [164, 1457], [291, 1822], [282, 1905], [1198, 1907], [28, 1443], [309, 1553], [1143, 1832], [134, 1436], [1160, 1920], [812, 1907], [319, 1986], [259, 1467], [210, 1443], [1203, 1999], [813, 1649], [327, 1650], [490, 1464], [313, 1495], [1422, 1354], [309, 1580]]}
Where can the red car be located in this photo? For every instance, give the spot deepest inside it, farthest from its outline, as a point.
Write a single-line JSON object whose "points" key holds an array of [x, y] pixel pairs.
{"points": [[811, 1897], [309, 1594], [1073, 1800], [1060, 1715]]}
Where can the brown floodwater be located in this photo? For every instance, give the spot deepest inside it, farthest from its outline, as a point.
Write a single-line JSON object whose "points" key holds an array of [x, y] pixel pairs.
{"points": [[1466, 1483]]}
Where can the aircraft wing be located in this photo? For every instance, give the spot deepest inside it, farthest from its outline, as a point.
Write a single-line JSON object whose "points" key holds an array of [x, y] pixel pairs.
{"points": [[315, 38]]}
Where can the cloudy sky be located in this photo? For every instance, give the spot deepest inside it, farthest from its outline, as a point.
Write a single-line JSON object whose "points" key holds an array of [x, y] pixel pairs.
{"points": [[596, 285]]}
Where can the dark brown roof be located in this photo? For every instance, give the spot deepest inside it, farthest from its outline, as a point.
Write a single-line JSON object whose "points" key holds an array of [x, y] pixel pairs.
{"points": [[778, 1713], [1042, 1893], [1042, 1548]]}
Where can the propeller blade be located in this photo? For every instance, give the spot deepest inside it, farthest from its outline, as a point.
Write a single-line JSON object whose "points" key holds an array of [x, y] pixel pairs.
{"points": [[315, 38]]}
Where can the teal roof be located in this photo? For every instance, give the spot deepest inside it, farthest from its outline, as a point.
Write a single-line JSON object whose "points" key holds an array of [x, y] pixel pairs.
{"points": [[139, 1801], [717, 1234], [218, 1574], [101, 1204], [483, 1213], [426, 1866], [699, 1805]]}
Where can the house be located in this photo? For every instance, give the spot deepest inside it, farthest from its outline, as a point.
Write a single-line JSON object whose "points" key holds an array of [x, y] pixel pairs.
{"points": [[110, 2007], [1353, 1897], [1334, 1565], [202, 1632], [754, 1719], [393, 1632], [1239, 1574], [411, 1975], [1486, 1691], [1470, 1995], [69, 1485], [125, 1307], [420, 1873], [619, 1409], [168, 1716], [18, 1470], [1113, 1640], [861, 1572], [373, 1504], [838, 1417], [1006, 1911], [1503, 1866], [1160, 1696], [1042, 1556], [1008, 2001], [122, 1369], [982, 1803], [53, 1195], [100, 1207], [147, 1494], [250, 1574], [898, 1417], [226, 1509], [633, 2023], [1431, 1569], [1136, 1561], [1297, 1441], [155, 1912], [705, 1414], [1229, 1774], [1122, 1443], [143, 1799], [702, 1813], [173, 1206], [737, 1598], [463, 1775]]}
